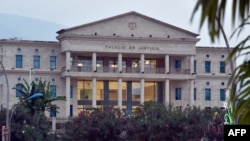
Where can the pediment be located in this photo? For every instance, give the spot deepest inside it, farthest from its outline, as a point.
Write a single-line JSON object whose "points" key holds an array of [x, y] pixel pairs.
{"points": [[127, 25]]}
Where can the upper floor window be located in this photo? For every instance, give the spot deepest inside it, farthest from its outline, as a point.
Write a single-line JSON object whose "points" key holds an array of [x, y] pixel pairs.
{"points": [[222, 95], [19, 61], [207, 67], [36, 63], [177, 93], [19, 88], [71, 91], [53, 91], [222, 67], [195, 66], [177, 65], [207, 94], [52, 62]]}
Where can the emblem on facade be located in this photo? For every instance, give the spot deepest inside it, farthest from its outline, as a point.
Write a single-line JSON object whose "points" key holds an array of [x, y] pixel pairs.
{"points": [[132, 25]]}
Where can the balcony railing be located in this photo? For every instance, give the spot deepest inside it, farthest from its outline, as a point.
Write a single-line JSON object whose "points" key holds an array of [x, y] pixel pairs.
{"points": [[127, 70], [179, 71]]}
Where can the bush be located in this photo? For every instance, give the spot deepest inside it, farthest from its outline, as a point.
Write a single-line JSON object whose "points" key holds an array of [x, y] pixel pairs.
{"points": [[150, 122]]}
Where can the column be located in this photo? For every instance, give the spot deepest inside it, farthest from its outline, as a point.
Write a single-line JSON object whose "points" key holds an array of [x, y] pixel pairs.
{"points": [[67, 106], [120, 93], [167, 64], [94, 92], [191, 103], [142, 63], [93, 61], [142, 91], [67, 60], [120, 62], [167, 93], [191, 64]]}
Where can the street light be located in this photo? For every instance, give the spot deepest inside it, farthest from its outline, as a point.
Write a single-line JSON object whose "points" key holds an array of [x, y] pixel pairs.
{"points": [[14, 108]]}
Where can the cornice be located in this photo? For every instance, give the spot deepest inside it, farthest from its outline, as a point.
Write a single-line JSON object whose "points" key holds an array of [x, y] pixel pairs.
{"points": [[126, 39]]}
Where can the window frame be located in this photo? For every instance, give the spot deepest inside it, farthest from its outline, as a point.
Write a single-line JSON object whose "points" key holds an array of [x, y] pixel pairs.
{"points": [[36, 61], [19, 86], [222, 67], [207, 66], [207, 94], [52, 62], [177, 93], [222, 95], [53, 90], [19, 61]]}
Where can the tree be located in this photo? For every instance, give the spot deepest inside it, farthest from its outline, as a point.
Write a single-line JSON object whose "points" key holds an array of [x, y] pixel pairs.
{"points": [[39, 104], [29, 122], [213, 11]]}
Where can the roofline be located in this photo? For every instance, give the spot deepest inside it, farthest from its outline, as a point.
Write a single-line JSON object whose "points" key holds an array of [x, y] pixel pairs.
{"points": [[2, 41], [121, 15]]}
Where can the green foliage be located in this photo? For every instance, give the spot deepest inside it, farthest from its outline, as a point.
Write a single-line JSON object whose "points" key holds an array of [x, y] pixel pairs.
{"points": [[98, 125], [212, 12], [150, 122], [29, 122], [39, 104]]}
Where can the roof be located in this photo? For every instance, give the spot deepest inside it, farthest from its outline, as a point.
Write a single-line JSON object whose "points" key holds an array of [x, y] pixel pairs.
{"points": [[126, 14]]}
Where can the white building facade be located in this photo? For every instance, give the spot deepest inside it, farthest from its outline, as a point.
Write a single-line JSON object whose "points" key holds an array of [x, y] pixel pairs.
{"points": [[122, 61]]}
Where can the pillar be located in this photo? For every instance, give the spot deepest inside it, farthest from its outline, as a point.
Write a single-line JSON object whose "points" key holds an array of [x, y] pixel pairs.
{"points": [[119, 62], [120, 93], [191, 103], [67, 108], [94, 92], [93, 61], [142, 63], [142, 91], [167, 93], [68, 60], [191, 64], [167, 64]]}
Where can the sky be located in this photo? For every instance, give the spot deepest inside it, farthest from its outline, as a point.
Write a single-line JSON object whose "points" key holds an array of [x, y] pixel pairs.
{"points": [[71, 13]]}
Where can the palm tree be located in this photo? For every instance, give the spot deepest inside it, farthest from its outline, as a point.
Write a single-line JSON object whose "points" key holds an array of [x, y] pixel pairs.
{"points": [[213, 12], [40, 104]]}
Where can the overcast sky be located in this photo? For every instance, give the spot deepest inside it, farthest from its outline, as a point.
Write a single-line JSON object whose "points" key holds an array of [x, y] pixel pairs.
{"points": [[76, 12]]}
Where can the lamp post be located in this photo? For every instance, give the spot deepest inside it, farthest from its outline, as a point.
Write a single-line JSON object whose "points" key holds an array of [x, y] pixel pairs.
{"points": [[7, 103], [14, 108]]}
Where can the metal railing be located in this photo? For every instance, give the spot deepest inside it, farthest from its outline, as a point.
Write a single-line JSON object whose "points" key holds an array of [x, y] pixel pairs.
{"points": [[126, 70]]}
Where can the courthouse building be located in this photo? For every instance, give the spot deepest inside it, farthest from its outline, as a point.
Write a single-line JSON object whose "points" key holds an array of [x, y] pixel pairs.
{"points": [[122, 61]]}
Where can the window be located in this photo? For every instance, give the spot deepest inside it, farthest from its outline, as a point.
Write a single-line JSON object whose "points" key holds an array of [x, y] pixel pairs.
{"points": [[222, 95], [194, 94], [71, 110], [177, 93], [177, 65], [222, 67], [52, 62], [36, 63], [52, 111], [53, 91], [194, 66], [207, 94], [19, 61], [207, 66], [71, 91], [19, 87]]}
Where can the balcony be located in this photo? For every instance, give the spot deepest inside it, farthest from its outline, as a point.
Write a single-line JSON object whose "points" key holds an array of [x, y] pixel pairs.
{"points": [[127, 70]]}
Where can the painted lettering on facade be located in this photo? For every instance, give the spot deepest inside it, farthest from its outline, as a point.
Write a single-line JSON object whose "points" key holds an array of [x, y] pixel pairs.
{"points": [[123, 47]]}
